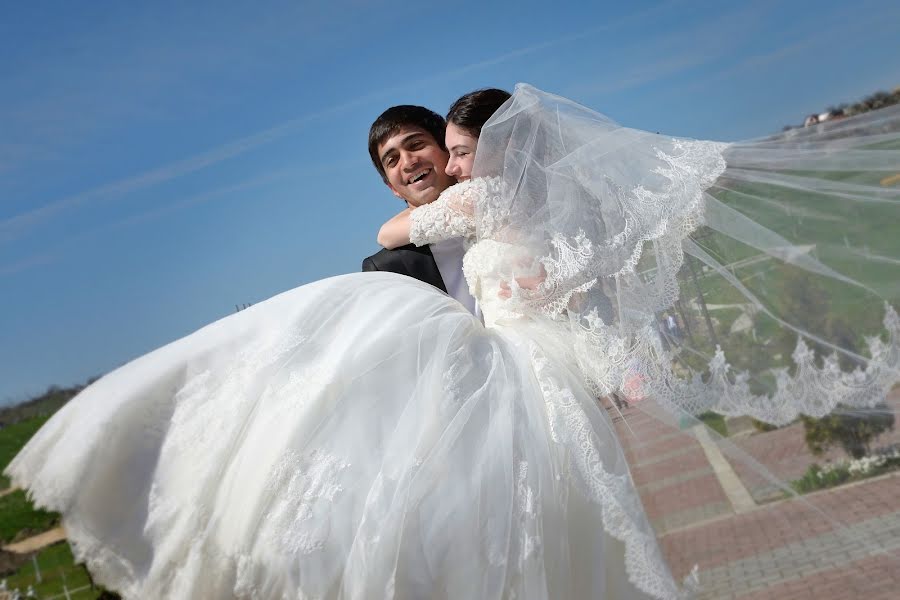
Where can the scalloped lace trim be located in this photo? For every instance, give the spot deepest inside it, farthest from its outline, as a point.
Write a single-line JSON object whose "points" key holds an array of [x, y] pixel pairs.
{"points": [[623, 513], [812, 390]]}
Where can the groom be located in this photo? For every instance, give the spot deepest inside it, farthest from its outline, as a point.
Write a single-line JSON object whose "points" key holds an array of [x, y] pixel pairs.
{"points": [[406, 144]]}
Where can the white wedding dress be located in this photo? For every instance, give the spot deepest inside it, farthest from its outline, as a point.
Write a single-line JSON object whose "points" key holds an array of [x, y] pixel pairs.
{"points": [[359, 437]]}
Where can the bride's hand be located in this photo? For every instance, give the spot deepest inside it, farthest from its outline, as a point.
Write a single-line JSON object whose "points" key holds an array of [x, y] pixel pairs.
{"points": [[531, 282]]}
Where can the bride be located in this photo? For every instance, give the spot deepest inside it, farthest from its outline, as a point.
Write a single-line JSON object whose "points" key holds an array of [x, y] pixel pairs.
{"points": [[365, 436]]}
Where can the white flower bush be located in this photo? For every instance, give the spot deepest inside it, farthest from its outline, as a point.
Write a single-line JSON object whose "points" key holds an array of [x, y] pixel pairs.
{"points": [[832, 474], [866, 464], [861, 466], [829, 469]]}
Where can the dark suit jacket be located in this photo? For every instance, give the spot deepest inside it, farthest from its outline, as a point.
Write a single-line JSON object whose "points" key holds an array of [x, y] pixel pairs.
{"points": [[413, 261]]}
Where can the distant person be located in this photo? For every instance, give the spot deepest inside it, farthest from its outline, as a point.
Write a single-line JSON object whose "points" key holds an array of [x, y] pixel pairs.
{"points": [[672, 326]]}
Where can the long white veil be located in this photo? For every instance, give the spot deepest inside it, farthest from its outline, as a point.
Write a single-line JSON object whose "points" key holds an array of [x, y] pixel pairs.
{"points": [[704, 280]]}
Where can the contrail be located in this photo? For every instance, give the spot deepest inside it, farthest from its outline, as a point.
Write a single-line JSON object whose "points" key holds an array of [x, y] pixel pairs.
{"points": [[14, 227]]}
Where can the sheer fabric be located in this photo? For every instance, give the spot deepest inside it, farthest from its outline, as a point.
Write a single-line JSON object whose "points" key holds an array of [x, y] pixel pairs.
{"points": [[624, 230], [626, 224]]}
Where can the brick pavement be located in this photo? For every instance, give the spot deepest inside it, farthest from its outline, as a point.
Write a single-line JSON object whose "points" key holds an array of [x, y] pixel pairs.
{"points": [[802, 558], [673, 475], [872, 579], [783, 549]]}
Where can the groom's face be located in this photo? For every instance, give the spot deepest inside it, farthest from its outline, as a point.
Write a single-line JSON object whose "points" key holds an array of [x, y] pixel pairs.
{"points": [[414, 165]]}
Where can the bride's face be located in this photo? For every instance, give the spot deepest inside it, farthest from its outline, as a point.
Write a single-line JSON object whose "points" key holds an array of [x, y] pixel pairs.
{"points": [[462, 152]]}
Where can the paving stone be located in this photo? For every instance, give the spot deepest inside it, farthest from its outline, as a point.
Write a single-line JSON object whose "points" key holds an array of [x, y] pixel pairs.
{"points": [[784, 549]]}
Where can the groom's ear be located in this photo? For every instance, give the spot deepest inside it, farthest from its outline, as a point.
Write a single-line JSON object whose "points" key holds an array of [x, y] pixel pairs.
{"points": [[396, 193]]}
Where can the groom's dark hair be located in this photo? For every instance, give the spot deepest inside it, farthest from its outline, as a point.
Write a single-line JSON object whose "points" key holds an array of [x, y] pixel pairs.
{"points": [[397, 117]]}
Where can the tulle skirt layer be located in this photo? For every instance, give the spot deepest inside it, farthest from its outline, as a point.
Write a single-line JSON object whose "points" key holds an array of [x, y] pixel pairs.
{"points": [[359, 437]]}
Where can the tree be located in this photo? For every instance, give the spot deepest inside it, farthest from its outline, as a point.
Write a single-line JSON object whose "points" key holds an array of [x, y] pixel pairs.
{"points": [[853, 431]]}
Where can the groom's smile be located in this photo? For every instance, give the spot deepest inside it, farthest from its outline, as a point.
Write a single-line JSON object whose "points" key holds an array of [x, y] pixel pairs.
{"points": [[414, 165], [419, 176]]}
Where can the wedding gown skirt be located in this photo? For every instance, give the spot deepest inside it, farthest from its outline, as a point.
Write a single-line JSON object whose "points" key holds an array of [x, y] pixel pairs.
{"points": [[359, 437]]}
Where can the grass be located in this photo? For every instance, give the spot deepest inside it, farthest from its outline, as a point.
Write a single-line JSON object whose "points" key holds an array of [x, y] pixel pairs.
{"points": [[716, 422], [13, 437], [855, 238], [19, 518], [725, 318], [57, 569]]}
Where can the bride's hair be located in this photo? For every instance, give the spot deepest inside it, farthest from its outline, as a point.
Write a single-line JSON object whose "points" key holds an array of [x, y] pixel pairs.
{"points": [[472, 111]]}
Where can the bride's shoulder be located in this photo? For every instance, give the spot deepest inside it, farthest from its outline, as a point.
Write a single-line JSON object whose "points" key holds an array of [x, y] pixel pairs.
{"points": [[484, 182], [475, 187]]}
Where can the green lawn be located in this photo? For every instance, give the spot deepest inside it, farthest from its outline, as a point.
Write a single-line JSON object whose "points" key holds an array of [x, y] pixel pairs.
{"points": [[57, 568], [19, 518], [716, 422], [13, 437], [857, 239]]}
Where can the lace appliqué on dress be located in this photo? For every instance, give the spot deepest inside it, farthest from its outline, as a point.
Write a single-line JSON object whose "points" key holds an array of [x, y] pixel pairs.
{"points": [[207, 408], [452, 215], [623, 513], [305, 486], [603, 356], [528, 515], [569, 271], [662, 216]]}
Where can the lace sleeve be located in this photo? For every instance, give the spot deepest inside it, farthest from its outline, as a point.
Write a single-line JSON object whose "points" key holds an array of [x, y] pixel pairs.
{"points": [[451, 215]]}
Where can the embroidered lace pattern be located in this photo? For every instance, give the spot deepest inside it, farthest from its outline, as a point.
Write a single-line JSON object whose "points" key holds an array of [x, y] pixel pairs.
{"points": [[206, 409], [528, 515], [663, 216], [607, 360], [623, 514], [451, 215], [302, 513], [812, 390]]}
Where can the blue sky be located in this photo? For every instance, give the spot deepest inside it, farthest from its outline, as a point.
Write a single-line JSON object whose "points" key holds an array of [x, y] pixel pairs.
{"points": [[162, 162]]}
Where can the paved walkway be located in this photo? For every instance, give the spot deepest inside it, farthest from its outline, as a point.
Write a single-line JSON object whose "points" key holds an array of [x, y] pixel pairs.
{"points": [[711, 510], [36, 542]]}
